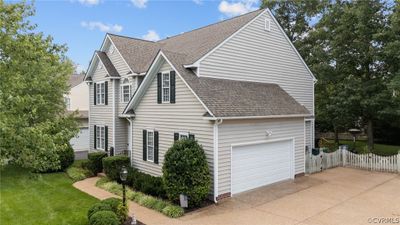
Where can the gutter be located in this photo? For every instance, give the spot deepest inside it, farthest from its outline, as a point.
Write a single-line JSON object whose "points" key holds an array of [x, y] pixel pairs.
{"points": [[257, 117], [215, 167]]}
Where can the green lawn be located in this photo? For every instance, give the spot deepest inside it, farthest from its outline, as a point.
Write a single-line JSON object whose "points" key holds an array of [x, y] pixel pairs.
{"points": [[379, 149], [41, 199]]}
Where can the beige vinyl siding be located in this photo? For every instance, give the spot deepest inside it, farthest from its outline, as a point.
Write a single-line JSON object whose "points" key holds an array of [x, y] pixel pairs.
{"points": [[186, 115], [255, 54], [100, 114], [245, 131], [308, 134]]}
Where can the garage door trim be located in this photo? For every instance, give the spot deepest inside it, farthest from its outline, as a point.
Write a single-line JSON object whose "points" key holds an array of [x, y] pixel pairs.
{"points": [[292, 158]]}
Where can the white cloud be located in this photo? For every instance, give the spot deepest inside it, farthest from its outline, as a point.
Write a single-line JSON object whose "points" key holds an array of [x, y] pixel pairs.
{"points": [[151, 36], [139, 3], [238, 7], [89, 2], [95, 25], [198, 2]]}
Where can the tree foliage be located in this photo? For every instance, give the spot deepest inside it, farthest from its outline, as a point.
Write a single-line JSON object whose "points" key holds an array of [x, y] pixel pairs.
{"points": [[353, 49], [33, 79]]}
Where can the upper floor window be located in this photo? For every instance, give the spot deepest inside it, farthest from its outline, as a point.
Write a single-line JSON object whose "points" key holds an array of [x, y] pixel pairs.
{"points": [[126, 91], [166, 88], [100, 93]]}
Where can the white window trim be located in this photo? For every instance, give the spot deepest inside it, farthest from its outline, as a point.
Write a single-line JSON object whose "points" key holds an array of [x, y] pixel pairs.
{"points": [[122, 92], [162, 86], [183, 134], [112, 49], [147, 145], [267, 25], [98, 100], [99, 137]]}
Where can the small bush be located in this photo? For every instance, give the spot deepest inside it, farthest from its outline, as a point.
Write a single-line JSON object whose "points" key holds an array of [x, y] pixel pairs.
{"points": [[98, 207], [96, 164], [113, 203], [146, 183], [173, 211], [104, 218], [185, 171], [76, 174], [112, 166], [66, 157], [122, 213], [117, 207]]}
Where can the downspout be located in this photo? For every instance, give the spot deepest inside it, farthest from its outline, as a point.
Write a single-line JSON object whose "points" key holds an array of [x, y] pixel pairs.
{"points": [[216, 123], [130, 139], [113, 111]]}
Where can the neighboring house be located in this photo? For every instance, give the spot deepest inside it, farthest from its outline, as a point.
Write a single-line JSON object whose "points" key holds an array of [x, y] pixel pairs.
{"points": [[238, 87], [77, 99]]}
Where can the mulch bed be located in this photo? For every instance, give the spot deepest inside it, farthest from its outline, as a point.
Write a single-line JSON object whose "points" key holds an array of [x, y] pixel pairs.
{"points": [[129, 222]]}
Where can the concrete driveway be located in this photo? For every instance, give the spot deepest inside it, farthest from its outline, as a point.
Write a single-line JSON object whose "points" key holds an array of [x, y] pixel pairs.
{"points": [[335, 196]]}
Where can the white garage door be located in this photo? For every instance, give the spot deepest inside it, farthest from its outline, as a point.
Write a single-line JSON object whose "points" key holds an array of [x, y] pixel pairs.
{"points": [[261, 164], [81, 141]]}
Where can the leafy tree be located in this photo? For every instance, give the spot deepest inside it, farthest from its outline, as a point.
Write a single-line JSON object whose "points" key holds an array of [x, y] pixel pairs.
{"points": [[34, 71], [296, 17]]}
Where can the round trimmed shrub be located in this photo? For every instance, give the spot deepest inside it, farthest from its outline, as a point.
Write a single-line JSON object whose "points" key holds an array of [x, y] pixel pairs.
{"points": [[104, 218], [185, 171], [113, 203], [96, 164], [112, 166], [66, 157], [98, 207]]}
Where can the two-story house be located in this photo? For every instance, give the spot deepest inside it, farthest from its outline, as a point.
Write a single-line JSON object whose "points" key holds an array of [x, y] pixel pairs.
{"points": [[239, 87]]}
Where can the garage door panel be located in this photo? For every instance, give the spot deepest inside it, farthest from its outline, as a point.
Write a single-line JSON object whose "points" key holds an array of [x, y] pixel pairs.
{"points": [[261, 164]]}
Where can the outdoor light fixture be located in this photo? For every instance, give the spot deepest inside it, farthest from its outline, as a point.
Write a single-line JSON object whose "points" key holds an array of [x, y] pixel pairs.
{"points": [[123, 174], [268, 133]]}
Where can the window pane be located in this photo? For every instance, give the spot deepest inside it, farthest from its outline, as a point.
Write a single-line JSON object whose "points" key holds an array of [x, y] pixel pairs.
{"points": [[126, 93], [183, 136], [150, 146], [166, 94]]}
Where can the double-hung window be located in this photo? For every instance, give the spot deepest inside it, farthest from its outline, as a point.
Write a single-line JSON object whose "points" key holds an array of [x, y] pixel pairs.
{"points": [[183, 135], [100, 137], [150, 146], [125, 92], [100, 93], [166, 88]]}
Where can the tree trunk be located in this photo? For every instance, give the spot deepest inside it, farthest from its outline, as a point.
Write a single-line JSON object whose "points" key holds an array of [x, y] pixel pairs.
{"points": [[336, 136], [370, 133]]}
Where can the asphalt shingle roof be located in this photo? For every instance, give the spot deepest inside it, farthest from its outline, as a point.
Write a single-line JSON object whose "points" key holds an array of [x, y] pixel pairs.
{"points": [[75, 79], [107, 64], [224, 98], [195, 44], [232, 98]]}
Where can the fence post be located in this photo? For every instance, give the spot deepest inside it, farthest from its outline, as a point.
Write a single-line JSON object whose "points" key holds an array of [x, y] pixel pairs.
{"points": [[398, 161], [343, 151]]}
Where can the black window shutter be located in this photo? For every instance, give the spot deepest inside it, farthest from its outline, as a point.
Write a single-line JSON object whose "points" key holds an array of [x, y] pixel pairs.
{"points": [[172, 82], [106, 93], [156, 147], [106, 138], [94, 95], [176, 136], [191, 136], [159, 80], [95, 137], [144, 145]]}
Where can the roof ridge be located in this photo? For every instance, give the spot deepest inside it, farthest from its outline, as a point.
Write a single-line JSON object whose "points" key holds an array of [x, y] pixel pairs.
{"points": [[135, 38], [212, 24]]}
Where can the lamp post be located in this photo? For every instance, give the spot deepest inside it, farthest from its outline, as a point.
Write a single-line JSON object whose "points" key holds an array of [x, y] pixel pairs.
{"points": [[123, 174]]}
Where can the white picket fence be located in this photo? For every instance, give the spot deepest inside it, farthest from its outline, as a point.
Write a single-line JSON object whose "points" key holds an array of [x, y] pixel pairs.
{"points": [[343, 157]]}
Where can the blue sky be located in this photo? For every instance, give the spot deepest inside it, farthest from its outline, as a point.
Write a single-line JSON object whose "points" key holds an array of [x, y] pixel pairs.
{"points": [[82, 24]]}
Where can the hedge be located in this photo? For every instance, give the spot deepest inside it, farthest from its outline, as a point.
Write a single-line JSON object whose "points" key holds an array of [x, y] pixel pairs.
{"points": [[96, 164], [146, 183], [112, 166]]}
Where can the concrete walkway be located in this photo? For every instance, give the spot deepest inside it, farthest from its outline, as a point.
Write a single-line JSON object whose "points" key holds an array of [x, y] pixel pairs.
{"points": [[335, 196]]}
